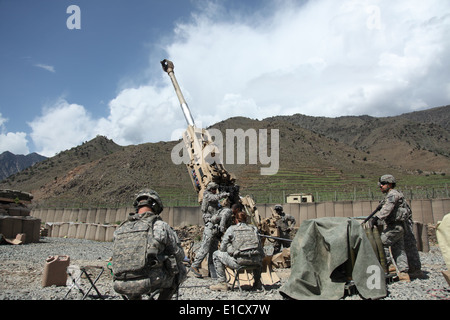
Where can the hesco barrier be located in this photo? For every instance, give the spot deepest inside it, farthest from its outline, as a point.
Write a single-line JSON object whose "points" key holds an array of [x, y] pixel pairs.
{"points": [[100, 223], [15, 219]]}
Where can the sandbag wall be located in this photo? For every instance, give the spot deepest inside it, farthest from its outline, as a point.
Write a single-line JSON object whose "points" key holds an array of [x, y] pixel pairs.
{"points": [[102, 221], [99, 223], [88, 231], [91, 224], [15, 219], [93, 215]]}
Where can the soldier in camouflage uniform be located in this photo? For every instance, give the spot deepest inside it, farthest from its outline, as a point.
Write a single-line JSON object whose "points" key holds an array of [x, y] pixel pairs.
{"points": [[147, 255], [216, 221], [285, 223], [240, 246], [396, 216]]}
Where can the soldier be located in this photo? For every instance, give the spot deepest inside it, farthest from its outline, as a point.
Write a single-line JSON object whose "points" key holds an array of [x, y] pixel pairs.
{"points": [[147, 255], [216, 221], [396, 216], [285, 223], [240, 246]]}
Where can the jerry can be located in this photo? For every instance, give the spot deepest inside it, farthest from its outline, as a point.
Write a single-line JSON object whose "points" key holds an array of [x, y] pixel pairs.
{"points": [[55, 271]]}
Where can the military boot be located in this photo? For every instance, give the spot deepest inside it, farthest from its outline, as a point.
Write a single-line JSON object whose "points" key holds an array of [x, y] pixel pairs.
{"points": [[403, 276], [417, 274], [196, 272], [221, 286], [257, 286]]}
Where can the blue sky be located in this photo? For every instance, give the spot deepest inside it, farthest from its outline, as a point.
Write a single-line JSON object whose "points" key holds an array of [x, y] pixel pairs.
{"points": [[60, 87]]}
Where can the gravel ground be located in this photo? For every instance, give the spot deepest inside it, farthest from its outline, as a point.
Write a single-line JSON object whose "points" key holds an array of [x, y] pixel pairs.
{"points": [[22, 266]]}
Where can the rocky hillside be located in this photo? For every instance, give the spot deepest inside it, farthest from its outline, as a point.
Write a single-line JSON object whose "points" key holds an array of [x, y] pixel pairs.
{"points": [[316, 155], [418, 141]]}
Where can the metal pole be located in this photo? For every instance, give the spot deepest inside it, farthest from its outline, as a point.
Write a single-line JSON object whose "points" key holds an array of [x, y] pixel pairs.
{"points": [[277, 238]]}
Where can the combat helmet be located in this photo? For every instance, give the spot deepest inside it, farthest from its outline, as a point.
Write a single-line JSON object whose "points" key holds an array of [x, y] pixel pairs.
{"points": [[212, 185], [278, 207], [150, 198], [387, 178]]}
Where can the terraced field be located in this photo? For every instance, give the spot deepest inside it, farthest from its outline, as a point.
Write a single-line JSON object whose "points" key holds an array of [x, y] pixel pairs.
{"points": [[327, 184]]}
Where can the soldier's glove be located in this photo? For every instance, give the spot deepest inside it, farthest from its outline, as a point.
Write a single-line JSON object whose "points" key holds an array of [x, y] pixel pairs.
{"points": [[373, 222]]}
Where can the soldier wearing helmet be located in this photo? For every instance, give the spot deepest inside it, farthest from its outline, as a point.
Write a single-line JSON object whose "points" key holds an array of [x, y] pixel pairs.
{"points": [[216, 219], [396, 217], [285, 224], [240, 246], [148, 198], [147, 254]]}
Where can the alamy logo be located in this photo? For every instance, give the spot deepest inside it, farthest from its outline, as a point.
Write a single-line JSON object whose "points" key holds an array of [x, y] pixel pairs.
{"points": [[74, 20], [235, 139], [374, 278]]}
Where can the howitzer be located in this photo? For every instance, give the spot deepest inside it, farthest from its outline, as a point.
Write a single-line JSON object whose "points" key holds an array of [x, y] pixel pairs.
{"points": [[205, 162], [205, 166]]}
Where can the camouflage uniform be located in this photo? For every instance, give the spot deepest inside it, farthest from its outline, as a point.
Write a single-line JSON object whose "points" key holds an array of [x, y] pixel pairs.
{"points": [[229, 255], [398, 233], [216, 222], [164, 271], [284, 223]]}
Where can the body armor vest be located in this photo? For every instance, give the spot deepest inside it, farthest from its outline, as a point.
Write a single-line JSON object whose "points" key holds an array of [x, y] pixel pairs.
{"points": [[135, 249]]}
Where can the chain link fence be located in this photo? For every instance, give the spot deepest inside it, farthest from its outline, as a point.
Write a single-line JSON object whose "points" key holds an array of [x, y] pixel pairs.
{"points": [[278, 196]]}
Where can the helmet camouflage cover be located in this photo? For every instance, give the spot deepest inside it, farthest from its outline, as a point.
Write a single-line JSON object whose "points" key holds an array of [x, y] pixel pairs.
{"points": [[150, 198], [211, 185], [278, 207], [387, 178]]}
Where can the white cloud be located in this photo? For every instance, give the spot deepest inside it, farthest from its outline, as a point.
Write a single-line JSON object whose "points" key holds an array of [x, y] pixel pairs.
{"points": [[46, 67], [137, 115], [327, 58], [61, 126], [15, 142], [140, 115], [320, 58]]}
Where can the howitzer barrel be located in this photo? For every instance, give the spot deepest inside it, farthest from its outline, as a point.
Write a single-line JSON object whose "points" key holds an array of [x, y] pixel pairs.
{"points": [[168, 67]]}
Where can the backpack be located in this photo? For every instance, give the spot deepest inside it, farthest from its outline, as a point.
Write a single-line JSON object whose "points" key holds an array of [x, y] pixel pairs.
{"points": [[135, 249], [246, 245]]}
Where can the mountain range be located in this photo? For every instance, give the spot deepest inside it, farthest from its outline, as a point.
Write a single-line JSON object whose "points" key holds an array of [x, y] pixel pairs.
{"points": [[317, 155], [11, 163]]}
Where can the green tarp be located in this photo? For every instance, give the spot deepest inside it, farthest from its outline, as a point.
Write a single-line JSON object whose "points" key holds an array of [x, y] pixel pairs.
{"points": [[319, 253]]}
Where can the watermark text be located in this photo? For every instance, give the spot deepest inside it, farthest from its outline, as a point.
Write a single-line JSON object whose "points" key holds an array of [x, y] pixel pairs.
{"points": [[235, 139], [74, 20]]}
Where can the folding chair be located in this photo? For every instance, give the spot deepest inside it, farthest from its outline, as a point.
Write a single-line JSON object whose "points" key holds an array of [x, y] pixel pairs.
{"points": [[247, 273], [76, 276]]}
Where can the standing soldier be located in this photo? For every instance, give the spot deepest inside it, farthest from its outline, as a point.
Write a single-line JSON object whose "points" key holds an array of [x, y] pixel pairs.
{"points": [[396, 216], [147, 255], [285, 224], [216, 221]]}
